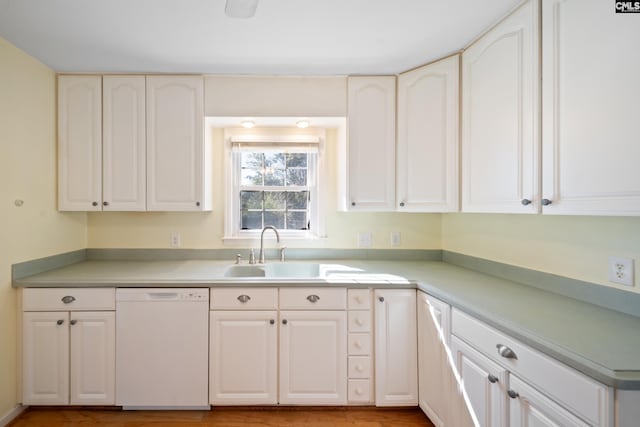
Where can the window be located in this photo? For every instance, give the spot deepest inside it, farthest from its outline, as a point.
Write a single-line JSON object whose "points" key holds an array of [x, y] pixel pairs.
{"points": [[275, 190], [274, 181]]}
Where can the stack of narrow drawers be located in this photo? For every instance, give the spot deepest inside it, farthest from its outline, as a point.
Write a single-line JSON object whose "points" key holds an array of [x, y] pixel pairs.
{"points": [[359, 346]]}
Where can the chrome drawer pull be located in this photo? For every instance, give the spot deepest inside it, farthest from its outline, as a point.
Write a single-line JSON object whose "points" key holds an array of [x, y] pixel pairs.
{"points": [[492, 379], [506, 352], [74, 321], [313, 298], [244, 298], [60, 322], [513, 394], [68, 299]]}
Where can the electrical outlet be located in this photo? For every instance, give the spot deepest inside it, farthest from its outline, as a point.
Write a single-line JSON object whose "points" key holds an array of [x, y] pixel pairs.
{"points": [[364, 240], [174, 240], [621, 270], [395, 238]]}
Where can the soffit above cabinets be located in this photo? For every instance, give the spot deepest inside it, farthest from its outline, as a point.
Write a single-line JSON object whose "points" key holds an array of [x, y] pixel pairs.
{"points": [[303, 37]]}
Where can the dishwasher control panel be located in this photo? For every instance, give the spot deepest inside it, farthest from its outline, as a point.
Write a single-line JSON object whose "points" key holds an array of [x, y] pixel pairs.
{"points": [[162, 294]]}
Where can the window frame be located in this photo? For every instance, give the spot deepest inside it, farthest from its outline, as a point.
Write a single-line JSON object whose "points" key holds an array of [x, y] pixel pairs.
{"points": [[272, 138]]}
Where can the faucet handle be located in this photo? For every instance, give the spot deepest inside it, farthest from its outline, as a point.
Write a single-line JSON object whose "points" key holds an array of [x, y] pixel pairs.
{"points": [[252, 257], [238, 258], [282, 249]]}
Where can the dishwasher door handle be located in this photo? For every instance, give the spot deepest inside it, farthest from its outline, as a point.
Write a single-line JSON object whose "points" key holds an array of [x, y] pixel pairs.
{"points": [[162, 295]]}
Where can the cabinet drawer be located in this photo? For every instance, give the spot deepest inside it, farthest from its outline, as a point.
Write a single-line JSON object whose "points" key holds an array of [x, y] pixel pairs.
{"points": [[359, 299], [313, 298], [578, 393], [359, 344], [359, 321], [53, 299], [359, 367], [359, 391], [244, 299]]}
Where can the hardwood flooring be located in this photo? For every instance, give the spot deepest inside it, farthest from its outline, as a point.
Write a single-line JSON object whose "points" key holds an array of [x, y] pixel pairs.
{"points": [[225, 417]]}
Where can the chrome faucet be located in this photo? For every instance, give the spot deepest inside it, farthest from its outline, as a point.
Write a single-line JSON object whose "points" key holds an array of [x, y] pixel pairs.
{"points": [[261, 255]]}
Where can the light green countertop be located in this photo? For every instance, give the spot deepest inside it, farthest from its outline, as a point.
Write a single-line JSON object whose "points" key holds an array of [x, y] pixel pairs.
{"points": [[602, 343]]}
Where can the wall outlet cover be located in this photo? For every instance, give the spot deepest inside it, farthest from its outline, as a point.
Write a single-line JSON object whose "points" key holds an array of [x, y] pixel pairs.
{"points": [[621, 270], [364, 240]]}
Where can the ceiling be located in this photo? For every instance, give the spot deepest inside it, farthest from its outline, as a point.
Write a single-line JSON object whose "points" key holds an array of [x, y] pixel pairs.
{"points": [[291, 37]]}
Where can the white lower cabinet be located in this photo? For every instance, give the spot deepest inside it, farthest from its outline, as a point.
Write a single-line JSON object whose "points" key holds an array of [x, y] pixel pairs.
{"points": [[529, 408], [68, 358], [484, 383], [396, 361], [440, 396], [313, 357], [509, 383], [243, 358]]}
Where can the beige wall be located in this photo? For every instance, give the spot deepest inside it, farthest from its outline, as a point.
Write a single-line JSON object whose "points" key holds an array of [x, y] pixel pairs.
{"points": [[204, 230], [571, 246], [27, 173]]}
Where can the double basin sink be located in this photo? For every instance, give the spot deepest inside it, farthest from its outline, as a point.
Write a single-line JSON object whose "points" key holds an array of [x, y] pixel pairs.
{"points": [[282, 270]]}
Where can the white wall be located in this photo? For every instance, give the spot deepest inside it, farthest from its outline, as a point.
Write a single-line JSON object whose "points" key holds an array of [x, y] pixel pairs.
{"points": [[572, 246], [27, 173]]}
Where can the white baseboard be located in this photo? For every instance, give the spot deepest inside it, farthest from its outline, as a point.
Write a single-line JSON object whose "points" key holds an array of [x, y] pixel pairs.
{"points": [[12, 415]]}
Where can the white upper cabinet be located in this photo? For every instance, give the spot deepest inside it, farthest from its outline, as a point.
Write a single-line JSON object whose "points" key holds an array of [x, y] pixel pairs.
{"points": [[427, 150], [79, 143], [124, 143], [500, 123], [590, 106], [371, 140], [177, 172]]}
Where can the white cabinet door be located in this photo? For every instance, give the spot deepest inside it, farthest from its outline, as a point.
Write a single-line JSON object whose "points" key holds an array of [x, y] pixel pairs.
{"points": [[500, 135], [93, 358], [371, 144], [436, 381], [529, 408], [243, 358], [427, 164], [313, 357], [79, 143], [45, 363], [590, 103], [396, 352], [484, 382], [124, 144], [175, 144]]}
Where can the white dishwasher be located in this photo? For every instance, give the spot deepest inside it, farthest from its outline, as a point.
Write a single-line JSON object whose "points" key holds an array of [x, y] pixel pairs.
{"points": [[162, 348]]}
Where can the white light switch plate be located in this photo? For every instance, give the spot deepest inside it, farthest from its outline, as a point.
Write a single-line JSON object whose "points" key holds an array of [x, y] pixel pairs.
{"points": [[364, 240]]}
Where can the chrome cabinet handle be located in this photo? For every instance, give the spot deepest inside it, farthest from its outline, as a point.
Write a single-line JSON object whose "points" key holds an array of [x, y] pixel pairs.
{"points": [[94, 204], [513, 394], [492, 379], [381, 299], [244, 298], [353, 203], [546, 202], [525, 202], [272, 322], [68, 299], [284, 321], [197, 203], [402, 204], [74, 321], [60, 322], [506, 352], [313, 298], [105, 203]]}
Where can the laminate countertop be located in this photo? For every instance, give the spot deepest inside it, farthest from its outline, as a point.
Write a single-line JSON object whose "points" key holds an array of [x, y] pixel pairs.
{"points": [[599, 342]]}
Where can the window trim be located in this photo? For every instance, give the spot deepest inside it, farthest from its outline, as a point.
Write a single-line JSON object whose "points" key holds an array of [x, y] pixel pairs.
{"points": [[271, 137]]}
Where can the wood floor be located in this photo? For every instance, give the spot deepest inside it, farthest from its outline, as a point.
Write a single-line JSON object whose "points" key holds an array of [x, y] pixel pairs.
{"points": [[225, 417]]}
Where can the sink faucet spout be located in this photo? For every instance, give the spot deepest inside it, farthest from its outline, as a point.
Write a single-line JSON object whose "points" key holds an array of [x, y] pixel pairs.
{"points": [[261, 254]]}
